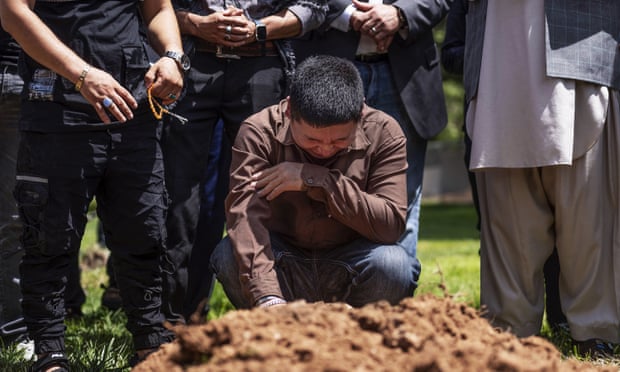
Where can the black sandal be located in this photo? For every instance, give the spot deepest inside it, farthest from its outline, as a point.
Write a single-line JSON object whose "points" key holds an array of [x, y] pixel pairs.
{"points": [[595, 348], [54, 359]]}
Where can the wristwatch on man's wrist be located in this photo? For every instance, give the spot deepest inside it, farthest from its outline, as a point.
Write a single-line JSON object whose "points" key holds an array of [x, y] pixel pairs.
{"points": [[261, 31], [181, 59]]}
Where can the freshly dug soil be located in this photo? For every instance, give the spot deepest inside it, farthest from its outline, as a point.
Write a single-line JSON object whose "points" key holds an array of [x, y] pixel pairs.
{"points": [[423, 333]]}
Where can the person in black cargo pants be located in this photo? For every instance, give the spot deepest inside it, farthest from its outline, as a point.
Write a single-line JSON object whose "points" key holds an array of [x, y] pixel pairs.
{"points": [[87, 131]]}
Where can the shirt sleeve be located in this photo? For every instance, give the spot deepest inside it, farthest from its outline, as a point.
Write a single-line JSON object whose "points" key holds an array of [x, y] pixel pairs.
{"points": [[378, 212], [343, 21], [311, 13], [247, 215]]}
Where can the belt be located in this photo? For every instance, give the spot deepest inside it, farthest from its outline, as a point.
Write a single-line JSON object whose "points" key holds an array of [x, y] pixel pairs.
{"points": [[254, 49], [371, 58]]}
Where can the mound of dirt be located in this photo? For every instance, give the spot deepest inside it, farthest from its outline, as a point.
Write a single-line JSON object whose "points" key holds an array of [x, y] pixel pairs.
{"points": [[424, 333]]}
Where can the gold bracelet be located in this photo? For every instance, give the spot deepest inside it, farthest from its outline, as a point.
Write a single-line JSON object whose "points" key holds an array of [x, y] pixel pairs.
{"points": [[78, 84]]}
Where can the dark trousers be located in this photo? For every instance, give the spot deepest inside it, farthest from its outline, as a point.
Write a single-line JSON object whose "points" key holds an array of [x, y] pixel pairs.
{"points": [[210, 227], [217, 89], [58, 174], [11, 322], [11, 326]]}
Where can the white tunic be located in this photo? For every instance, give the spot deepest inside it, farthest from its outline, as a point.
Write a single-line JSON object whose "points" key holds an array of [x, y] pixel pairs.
{"points": [[521, 118]]}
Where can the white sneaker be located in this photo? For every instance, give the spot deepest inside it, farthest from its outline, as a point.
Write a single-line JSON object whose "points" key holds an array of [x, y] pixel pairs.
{"points": [[27, 347]]}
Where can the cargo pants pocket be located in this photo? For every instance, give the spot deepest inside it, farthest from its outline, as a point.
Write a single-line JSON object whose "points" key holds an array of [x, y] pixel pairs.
{"points": [[32, 193]]}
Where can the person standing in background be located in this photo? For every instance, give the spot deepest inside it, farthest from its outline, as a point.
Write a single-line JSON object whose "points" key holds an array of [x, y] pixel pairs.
{"points": [[11, 320], [241, 60], [392, 46], [541, 79], [452, 60], [89, 128]]}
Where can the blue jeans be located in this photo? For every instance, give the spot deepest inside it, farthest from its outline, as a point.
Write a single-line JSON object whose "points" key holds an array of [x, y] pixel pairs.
{"points": [[381, 93], [358, 273]]}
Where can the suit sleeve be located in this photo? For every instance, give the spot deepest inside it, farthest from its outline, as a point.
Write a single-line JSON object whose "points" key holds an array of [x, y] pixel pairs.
{"points": [[335, 8], [311, 13], [422, 15], [453, 48]]}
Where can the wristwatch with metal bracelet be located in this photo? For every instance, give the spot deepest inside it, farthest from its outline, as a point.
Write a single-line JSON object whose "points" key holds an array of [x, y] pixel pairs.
{"points": [[181, 59]]}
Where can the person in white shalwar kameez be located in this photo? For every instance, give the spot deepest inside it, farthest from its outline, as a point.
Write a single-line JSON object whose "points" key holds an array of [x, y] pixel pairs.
{"points": [[544, 148]]}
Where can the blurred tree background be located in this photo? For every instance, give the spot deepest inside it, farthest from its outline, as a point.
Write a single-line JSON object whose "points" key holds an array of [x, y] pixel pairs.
{"points": [[453, 90]]}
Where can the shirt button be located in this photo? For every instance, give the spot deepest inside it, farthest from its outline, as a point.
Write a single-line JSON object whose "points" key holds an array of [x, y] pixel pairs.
{"points": [[310, 180]]}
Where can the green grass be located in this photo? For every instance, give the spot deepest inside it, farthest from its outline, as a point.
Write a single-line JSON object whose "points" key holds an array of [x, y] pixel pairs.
{"points": [[448, 250]]}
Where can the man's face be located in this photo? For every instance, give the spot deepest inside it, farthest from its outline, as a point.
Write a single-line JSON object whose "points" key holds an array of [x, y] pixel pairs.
{"points": [[323, 143]]}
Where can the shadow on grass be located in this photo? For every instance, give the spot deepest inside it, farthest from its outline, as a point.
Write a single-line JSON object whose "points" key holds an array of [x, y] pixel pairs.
{"points": [[97, 341], [448, 222]]}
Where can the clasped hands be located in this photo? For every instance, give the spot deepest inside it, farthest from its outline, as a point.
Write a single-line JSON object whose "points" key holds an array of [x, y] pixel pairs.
{"points": [[271, 182], [378, 21], [229, 28]]}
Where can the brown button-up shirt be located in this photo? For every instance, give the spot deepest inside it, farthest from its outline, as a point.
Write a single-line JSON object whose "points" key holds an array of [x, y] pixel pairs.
{"points": [[359, 192]]}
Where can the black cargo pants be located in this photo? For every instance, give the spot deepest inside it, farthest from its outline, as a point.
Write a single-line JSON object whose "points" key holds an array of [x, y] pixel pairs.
{"points": [[58, 174]]}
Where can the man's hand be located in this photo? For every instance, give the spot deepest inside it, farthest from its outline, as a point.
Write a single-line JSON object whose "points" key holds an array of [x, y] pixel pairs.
{"points": [[272, 182], [166, 79], [99, 87], [379, 21], [229, 28]]}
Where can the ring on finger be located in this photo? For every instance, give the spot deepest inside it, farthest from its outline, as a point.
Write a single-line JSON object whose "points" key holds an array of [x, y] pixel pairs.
{"points": [[228, 29], [172, 96], [107, 102], [227, 37], [373, 29]]}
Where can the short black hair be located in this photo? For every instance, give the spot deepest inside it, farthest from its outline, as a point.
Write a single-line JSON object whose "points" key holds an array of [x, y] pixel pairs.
{"points": [[326, 90]]}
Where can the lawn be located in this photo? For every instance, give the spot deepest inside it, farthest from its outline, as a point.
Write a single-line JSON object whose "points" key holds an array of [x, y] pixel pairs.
{"points": [[448, 250]]}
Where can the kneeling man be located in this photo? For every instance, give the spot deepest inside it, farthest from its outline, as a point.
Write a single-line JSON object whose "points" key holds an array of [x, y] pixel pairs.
{"points": [[317, 198]]}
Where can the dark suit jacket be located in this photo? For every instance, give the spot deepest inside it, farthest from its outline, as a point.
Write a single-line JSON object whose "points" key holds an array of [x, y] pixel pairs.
{"points": [[581, 41], [453, 47], [414, 61]]}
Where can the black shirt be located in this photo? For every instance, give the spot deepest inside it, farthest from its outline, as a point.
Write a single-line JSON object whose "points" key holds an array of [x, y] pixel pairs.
{"points": [[106, 34], [9, 49]]}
